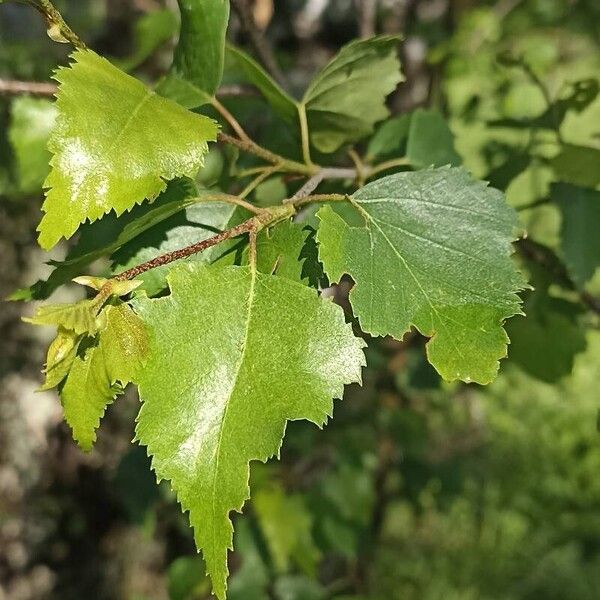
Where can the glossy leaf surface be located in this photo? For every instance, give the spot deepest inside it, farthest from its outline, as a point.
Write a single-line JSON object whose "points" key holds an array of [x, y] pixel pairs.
{"points": [[114, 145], [251, 351]]}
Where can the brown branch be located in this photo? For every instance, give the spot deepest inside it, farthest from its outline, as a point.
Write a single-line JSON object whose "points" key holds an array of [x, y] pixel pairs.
{"points": [[261, 45], [14, 88], [170, 257], [9, 87], [253, 225]]}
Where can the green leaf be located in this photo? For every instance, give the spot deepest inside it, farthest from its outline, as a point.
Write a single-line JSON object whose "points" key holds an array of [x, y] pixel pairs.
{"points": [[578, 165], [100, 371], [434, 253], [390, 138], [579, 97], [197, 66], [187, 580], [111, 233], [423, 136], [251, 351], [278, 250], [151, 31], [80, 317], [347, 97], [287, 526], [195, 224], [114, 145], [546, 343], [281, 103], [32, 120], [251, 579], [430, 141], [580, 241]]}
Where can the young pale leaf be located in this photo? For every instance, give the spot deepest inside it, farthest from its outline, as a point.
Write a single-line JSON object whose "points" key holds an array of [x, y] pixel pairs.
{"points": [[286, 524], [348, 96], [80, 317], [32, 120], [434, 252], [283, 104], [251, 351], [580, 210], [114, 145], [200, 54], [101, 369], [61, 354]]}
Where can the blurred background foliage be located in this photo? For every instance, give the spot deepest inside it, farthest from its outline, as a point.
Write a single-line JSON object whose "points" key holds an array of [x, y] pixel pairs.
{"points": [[417, 489]]}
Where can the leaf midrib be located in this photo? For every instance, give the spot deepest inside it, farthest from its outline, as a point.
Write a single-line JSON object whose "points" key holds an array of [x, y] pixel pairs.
{"points": [[251, 298]]}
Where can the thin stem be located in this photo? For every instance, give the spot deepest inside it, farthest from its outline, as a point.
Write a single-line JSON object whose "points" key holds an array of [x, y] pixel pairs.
{"points": [[260, 43], [313, 183], [359, 165], [305, 134], [14, 88], [258, 180], [252, 249], [42, 88], [230, 119], [385, 166], [230, 199], [321, 198], [236, 90], [265, 218], [253, 148]]}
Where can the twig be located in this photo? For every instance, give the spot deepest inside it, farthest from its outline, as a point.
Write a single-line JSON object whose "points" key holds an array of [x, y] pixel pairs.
{"points": [[264, 174], [265, 218], [320, 198], [14, 88], [228, 91], [359, 165], [231, 120], [56, 22], [42, 88], [385, 166], [170, 257], [275, 159], [230, 199], [305, 134], [262, 47], [367, 12], [313, 183]]}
